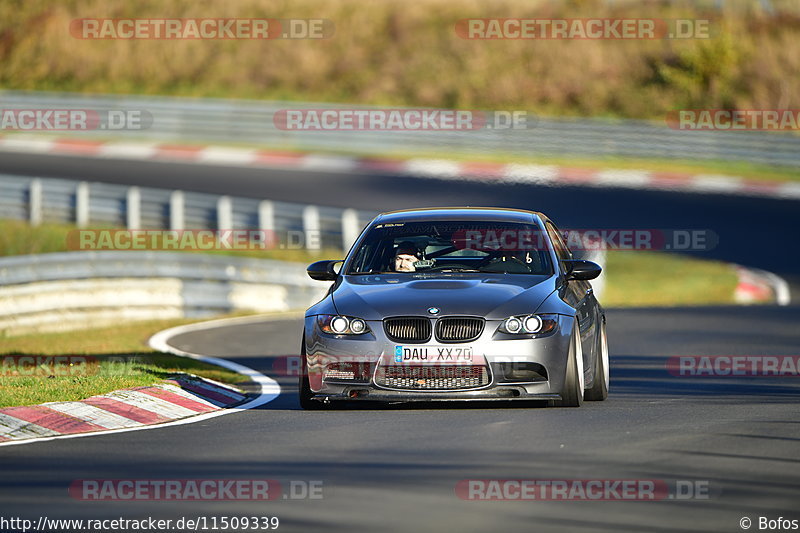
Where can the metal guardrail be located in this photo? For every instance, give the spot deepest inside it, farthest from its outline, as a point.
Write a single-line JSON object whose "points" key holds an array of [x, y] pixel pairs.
{"points": [[72, 290], [251, 122], [99, 204], [311, 227], [85, 204], [150, 264]]}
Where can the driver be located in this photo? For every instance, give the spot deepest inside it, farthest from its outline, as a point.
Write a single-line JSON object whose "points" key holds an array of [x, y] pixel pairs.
{"points": [[405, 256]]}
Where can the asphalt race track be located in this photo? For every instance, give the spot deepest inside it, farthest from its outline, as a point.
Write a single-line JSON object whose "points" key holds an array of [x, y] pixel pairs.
{"points": [[756, 232], [396, 469]]}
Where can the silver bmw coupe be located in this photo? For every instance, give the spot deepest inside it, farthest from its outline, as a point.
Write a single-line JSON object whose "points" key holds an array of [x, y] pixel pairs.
{"points": [[456, 304]]}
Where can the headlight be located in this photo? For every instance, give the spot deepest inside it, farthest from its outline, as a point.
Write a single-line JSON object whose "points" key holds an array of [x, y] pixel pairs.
{"points": [[358, 326], [512, 325], [339, 324], [342, 325], [532, 324], [529, 324]]}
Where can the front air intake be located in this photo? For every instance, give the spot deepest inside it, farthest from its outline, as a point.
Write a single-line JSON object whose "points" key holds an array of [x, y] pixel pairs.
{"points": [[433, 377], [408, 329], [458, 329]]}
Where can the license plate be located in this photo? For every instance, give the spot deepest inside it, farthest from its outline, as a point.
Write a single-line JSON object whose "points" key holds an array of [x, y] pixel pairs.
{"points": [[433, 354]]}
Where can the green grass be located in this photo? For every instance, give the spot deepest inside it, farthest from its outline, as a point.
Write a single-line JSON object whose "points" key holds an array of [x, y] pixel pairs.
{"points": [[118, 357], [641, 279], [128, 337], [20, 238], [397, 53], [743, 169]]}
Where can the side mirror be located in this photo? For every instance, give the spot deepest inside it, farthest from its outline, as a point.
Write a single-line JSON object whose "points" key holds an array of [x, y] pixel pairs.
{"points": [[323, 270], [582, 270]]}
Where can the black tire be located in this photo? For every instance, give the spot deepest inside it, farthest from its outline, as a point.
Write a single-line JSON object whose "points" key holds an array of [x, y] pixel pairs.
{"points": [[599, 390], [304, 389], [571, 396]]}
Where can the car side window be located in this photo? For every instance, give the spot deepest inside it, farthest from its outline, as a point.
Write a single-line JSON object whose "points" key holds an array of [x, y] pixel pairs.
{"points": [[561, 249]]}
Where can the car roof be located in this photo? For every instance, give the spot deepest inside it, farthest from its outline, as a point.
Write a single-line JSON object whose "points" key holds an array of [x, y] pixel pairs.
{"points": [[459, 213]]}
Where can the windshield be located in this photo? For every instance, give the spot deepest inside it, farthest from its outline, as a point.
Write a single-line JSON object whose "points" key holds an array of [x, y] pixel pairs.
{"points": [[453, 246]]}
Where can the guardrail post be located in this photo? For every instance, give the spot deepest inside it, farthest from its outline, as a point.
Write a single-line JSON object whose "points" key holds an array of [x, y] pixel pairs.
{"points": [[266, 222], [224, 213], [350, 228], [311, 227], [35, 202], [82, 205], [133, 205], [176, 215], [266, 215]]}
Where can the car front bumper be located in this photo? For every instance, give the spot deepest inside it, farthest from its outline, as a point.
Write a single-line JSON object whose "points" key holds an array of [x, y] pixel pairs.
{"points": [[374, 351]]}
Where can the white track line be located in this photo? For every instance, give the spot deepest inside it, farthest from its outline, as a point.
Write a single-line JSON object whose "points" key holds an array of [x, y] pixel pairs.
{"points": [[93, 415], [778, 284], [269, 387]]}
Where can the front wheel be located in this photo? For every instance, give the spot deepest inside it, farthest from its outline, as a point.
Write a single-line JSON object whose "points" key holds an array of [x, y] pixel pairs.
{"points": [[599, 390], [572, 394], [304, 389]]}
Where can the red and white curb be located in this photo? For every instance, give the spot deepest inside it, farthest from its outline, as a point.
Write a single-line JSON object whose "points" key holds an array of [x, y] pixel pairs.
{"points": [[551, 175], [760, 286], [175, 402], [126, 408]]}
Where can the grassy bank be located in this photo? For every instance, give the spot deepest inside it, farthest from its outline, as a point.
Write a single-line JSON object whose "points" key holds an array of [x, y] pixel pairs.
{"points": [[19, 238], [742, 169], [104, 359], [390, 53], [640, 279]]}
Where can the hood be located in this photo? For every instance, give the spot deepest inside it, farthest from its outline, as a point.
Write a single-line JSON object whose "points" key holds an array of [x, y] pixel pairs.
{"points": [[493, 296]]}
